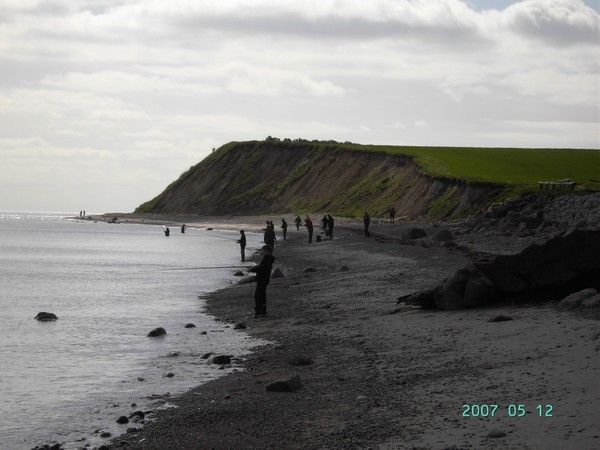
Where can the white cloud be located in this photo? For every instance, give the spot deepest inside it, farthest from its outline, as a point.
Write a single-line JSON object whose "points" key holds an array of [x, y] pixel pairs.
{"points": [[152, 86]]}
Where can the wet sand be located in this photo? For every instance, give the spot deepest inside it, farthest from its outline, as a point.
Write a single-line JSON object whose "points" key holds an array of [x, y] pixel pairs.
{"points": [[379, 375]]}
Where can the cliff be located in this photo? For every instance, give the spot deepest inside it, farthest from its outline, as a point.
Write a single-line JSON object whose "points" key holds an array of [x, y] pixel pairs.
{"points": [[277, 177]]}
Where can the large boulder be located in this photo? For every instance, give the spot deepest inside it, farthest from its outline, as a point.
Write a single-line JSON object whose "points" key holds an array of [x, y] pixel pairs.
{"points": [[219, 359], [290, 384], [157, 332], [414, 233], [467, 288], [45, 317], [247, 280], [575, 299]]}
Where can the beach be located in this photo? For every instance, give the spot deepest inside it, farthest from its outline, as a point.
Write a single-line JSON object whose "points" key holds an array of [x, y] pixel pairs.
{"points": [[378, 374]]}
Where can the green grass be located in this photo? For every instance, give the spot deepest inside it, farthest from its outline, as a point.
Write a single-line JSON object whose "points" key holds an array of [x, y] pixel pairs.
{"points": [[504, 165]]}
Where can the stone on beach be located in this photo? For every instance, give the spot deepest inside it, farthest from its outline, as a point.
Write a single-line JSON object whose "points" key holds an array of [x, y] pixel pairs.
{"points": [[290, 384], [157, 332], [277, 273], [500, 318], [219, 359], [247, 280], [575, 299], [414, 233], [190, 325], [122, 420], [496, 433], [45, 316]]}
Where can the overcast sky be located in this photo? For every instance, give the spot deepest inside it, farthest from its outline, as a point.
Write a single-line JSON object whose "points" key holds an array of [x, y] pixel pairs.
{"points": [[103, 103]]}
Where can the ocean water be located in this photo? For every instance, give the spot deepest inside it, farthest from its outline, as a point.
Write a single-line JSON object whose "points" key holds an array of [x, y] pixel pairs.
{"points": [[109, 285]]}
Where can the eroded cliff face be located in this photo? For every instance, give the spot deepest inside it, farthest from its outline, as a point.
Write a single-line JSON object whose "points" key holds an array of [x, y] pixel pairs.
{"points": [[293, 178]]}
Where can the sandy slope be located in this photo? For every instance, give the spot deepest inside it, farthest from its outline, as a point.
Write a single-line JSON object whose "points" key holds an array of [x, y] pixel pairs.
{"points": [[383, 376]]}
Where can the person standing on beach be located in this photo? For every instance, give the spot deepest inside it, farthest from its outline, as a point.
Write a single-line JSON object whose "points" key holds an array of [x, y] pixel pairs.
{"points": [[242, 242], [284, 227], [367, 222], [263, 276], [183, 228], [392, 214], [167, 231], [309, 227], [270, 237], [330, 225], [298, 222], [324, 223]]}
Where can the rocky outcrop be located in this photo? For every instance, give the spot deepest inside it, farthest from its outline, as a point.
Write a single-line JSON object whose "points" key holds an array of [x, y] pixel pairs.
{"points": [[553, 263], [560, 259], [268, 177]]}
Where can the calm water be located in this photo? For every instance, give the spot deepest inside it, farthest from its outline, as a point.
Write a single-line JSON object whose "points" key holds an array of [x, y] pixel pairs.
{"points": [[109, 284]]}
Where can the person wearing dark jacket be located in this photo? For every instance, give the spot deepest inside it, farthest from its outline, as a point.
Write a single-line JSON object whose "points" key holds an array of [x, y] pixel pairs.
{"points": [[242, 242], [330, 225], [309, 227], [263, 276], [367, 222], [284, 227], [298, 222]]}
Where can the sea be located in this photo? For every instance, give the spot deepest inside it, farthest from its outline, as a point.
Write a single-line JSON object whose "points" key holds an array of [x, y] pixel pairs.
{"points": [[68, 380]]}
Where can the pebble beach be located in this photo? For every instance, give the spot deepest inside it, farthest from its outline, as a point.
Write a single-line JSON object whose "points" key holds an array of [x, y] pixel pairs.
{"points": [[377, 374]]}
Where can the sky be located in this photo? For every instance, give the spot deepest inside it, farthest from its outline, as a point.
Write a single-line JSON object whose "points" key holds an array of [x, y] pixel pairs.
{"points": [[103, 103]]}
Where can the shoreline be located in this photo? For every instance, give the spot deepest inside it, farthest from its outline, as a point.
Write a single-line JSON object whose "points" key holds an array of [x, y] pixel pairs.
{"points": [[376, 375]]}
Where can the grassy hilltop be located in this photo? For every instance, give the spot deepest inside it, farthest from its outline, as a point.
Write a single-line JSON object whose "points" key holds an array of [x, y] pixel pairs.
{"points": [[274, 176]]}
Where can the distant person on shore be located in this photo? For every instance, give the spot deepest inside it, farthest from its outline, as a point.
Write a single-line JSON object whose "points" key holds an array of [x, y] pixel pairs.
{"points": [[309, 226], [284, 228], [167, 231], [324, 223], [242, 242], [270, 235], [330, 226], [392, 214], [298, 222], [183, 228], [263, 275], [80, 213], [84, 213], [367, 222]]}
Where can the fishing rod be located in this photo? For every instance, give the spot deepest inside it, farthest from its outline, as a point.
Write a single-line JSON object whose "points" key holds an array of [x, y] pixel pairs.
{"points": [[205, 268]]}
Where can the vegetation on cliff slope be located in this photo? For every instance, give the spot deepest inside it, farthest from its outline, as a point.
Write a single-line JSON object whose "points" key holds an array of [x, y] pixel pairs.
{"points": [[275, 176]]}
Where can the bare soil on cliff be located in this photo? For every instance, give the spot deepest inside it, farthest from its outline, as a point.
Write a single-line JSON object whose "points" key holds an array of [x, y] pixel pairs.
{"points": [[379, 375]]}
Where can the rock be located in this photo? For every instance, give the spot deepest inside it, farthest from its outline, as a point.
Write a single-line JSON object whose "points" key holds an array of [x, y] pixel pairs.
{"points": [[207, 355], [169, 375], [442, 235], [239, 273], [591, 301], [45, 317], [157, 332], [122, 420], [500, 318], [361, 398], [240, 326], [467, 288], [106, 434], [277, 273], [290, 384], [247, 280], [309, 269], [139, 414], [414, 233], [576, 298], [190, 325], [342, 268], [219, 359], [496, 433]]}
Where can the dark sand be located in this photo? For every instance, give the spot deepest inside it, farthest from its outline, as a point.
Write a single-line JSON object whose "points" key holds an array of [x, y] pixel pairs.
{"points": [[376, 374]]}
